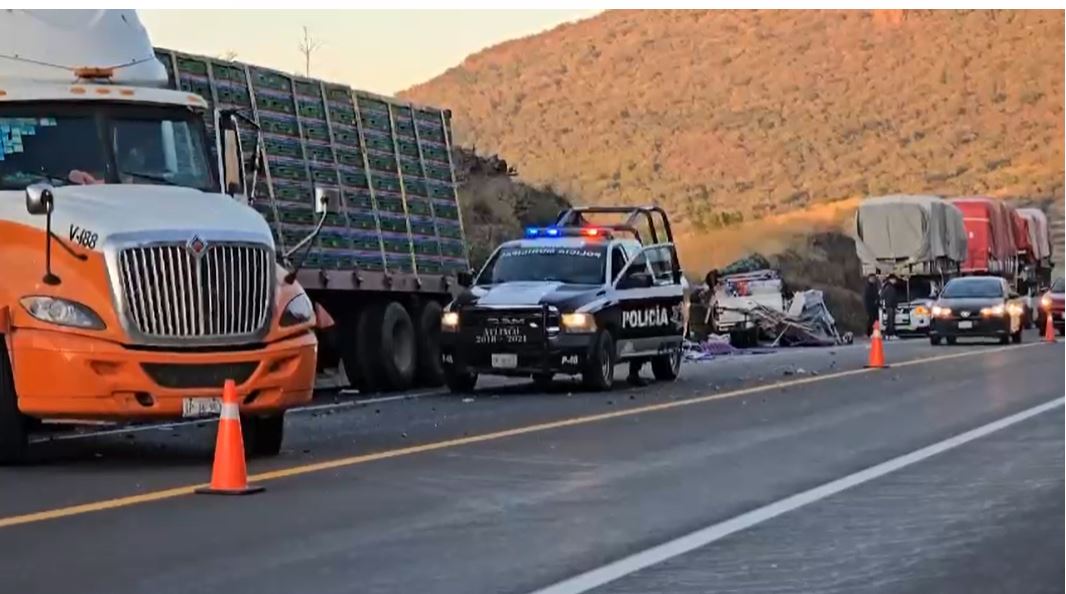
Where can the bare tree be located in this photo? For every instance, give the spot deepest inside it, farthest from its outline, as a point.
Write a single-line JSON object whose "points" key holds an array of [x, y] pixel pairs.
{"points": [[308, 47]]}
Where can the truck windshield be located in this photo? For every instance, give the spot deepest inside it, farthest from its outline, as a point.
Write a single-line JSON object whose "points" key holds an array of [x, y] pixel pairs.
{"points": [[964, 288], [581, 265], [69, 144]]}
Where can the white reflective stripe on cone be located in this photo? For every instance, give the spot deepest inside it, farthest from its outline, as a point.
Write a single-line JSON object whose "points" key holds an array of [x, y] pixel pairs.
{"points": [[230, 411]]}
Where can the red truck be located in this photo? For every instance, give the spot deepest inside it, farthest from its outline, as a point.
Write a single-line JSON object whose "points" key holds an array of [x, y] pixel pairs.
{"points": [[990, 247]]}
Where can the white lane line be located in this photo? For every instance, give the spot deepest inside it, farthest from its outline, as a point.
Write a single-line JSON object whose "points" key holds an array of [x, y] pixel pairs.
{"points": [[199, 422], [700, 538]]}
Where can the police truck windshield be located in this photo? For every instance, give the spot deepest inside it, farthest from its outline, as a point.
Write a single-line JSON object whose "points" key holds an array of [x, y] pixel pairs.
{"points": [[579, 265]]}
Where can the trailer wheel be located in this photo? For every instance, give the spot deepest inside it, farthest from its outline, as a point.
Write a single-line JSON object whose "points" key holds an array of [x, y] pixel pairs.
{"points": [[360, 350], [430, 371], [396, 346], [14, 426], [263, 434]]}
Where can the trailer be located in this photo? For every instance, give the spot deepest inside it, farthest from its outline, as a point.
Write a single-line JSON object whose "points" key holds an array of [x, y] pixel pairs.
{"points": [[990, 236], [384, 264], [920, 239]]}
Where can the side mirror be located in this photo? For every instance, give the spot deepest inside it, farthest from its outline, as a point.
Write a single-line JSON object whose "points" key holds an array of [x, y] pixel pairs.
{"points": [[231, 155], [327, 200], [464, 278], [39, 199], [636, 280]]}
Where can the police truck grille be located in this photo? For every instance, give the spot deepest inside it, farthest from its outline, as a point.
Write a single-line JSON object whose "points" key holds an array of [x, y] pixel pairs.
{"points": [[201, 291]]}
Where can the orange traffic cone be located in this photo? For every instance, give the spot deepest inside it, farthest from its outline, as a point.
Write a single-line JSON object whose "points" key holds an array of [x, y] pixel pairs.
{"points": [[229, 476], [1049, 329], [877, 349]]}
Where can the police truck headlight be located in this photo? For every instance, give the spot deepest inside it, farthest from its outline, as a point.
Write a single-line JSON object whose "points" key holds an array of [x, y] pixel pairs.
{"points": [[449, 321], [578, 322], [298, 311], [62, 312]]}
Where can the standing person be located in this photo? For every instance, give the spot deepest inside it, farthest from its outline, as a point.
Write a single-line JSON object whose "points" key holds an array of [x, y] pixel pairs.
{"points": [[871, 299], [890, 297]]}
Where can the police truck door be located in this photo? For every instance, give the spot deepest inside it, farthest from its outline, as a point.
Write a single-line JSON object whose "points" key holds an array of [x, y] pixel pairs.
{"points": [[650, 297]]}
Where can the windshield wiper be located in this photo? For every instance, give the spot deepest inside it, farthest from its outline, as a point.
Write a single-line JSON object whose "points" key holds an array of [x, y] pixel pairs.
{"points": [[150, 177]]}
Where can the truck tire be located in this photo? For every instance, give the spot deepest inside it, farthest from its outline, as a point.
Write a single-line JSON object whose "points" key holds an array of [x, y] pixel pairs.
{"points": [[14, 426], [599, 366], [358, 351], [396, 346], [430, 372], [666, 368], [263, 434]]}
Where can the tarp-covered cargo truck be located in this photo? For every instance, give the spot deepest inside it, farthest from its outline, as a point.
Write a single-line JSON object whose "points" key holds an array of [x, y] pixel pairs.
{"points": [[921, 239], [134, 283], [990, 236], [1039, 239], [384, 264]]}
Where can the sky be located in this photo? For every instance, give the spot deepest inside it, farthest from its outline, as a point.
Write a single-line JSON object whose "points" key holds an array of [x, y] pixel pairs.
{"points": [[378, 51]]}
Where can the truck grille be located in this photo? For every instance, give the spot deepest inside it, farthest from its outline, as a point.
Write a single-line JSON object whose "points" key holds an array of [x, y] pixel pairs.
{"points": [[197, 290]]}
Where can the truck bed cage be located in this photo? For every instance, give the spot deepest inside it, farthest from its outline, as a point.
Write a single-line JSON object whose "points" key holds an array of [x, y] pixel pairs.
{"points": [[572, 217]]}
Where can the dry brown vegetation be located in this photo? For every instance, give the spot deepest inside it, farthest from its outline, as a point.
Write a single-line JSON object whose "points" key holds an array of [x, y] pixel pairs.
{"points": [[726, 116]]}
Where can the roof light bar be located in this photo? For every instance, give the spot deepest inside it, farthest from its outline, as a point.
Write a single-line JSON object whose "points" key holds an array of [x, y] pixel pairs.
{"points": [[591, 232]]}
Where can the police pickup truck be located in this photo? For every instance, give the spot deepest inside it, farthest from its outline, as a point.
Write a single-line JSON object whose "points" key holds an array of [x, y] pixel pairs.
{"points": [[574, 299]]}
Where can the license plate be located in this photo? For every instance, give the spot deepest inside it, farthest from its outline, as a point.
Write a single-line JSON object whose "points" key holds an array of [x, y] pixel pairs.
{"points": [[965, 325], [200, 407], [504, 360]]}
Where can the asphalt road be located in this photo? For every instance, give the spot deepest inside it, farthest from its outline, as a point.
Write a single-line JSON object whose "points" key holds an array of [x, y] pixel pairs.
{"points": [[797, 471]]}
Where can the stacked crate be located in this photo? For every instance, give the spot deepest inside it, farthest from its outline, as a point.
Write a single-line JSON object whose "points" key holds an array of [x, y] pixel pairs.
{"points": [[390, 160]]}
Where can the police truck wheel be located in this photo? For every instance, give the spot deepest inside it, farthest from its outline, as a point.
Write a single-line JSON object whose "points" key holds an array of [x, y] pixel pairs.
{"points": [[263, 434], [429, 372], [934, 340], [952, 340], [459, 381], [14, 426], [599, 368], [666, 368], [397, 348]]}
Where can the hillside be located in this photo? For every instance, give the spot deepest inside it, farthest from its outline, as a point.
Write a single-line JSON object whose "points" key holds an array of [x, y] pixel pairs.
{"points": [[495, 205], [725, 116]]}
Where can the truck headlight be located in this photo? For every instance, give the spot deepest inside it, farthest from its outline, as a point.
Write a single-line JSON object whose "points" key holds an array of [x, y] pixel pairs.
{"points": [[941, 312], [449, 321], [921, 310], [298, 311], [578, 322], [995, 311], [62, 312]]}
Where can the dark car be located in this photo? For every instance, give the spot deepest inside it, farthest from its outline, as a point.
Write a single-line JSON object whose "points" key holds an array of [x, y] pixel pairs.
{"points": [[978, 307], [1051, 303]]}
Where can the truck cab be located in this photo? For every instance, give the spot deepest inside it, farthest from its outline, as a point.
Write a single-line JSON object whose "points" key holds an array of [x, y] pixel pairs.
{"points": [[135, 280], [572, 299]]}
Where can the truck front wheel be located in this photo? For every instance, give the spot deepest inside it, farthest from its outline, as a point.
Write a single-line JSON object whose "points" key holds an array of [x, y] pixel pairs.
{"points": [[14, 426], [599, 367], [263, 434]]}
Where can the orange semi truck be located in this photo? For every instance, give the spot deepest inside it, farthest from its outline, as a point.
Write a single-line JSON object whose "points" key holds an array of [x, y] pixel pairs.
{"points": [[135, 277]]}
